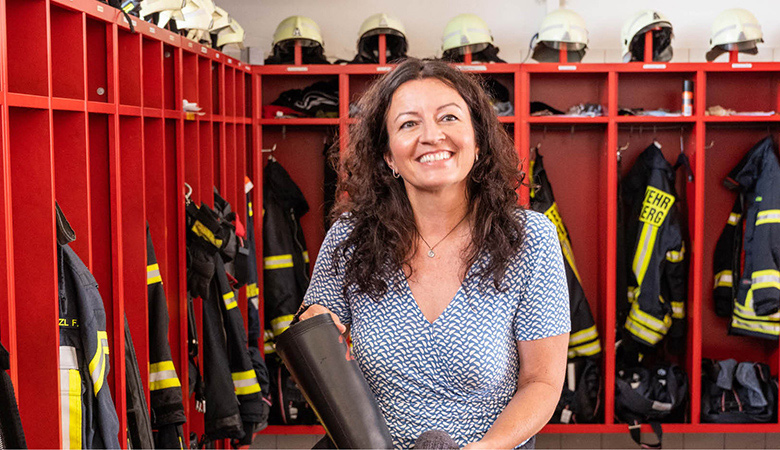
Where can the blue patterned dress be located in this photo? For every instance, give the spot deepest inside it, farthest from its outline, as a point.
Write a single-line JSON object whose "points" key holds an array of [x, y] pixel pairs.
{"points": [[459, 372]]}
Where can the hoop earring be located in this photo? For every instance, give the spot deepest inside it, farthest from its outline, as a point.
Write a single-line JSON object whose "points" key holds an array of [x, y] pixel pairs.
{"points": [[395, 173], [476, 158]]}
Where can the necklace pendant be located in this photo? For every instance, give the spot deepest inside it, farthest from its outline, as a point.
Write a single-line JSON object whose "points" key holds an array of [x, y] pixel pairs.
{"points": [[431, 254]]}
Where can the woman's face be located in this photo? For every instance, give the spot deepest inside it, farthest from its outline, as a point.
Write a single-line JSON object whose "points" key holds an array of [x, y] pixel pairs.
{"points": [[431, 138]]}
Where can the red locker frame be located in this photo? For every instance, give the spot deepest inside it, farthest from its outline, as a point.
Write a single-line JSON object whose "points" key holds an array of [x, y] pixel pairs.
{"points": [[587, 195], [91, 117]]}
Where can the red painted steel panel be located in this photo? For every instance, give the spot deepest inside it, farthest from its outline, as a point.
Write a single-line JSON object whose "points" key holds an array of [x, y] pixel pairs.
{"points": [[32, 201], [71, 176], [152, 69], [67, 56]]}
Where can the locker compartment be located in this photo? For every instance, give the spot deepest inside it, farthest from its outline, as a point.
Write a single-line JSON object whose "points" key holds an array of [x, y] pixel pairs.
{"points": [[189, 78], [743, 92], [27, 41], [170, 56], [563, 90], [32, 201], [67, 53], [576, 167], [230, 91], [205, 68], [153, 74], [129, 68], [215, 76], [99, 61], [661, 90], [729, 144], [299, 150]]}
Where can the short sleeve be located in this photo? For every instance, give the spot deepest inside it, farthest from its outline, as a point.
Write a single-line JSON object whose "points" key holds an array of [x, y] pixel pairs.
{"points": [[325, 287], [543, 308]]}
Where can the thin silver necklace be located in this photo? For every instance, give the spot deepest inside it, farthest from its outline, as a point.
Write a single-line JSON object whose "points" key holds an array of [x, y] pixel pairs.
{"points": [[431, 253]]}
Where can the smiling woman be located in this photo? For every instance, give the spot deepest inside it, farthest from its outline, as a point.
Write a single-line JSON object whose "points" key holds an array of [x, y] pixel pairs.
{"points": [[455, 298]]}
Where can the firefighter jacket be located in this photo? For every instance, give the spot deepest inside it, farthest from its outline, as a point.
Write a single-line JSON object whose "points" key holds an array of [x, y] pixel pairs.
{"points": [[233, 404], [11, 431], [89, 419], [254, 329], [752, 235], [285, 259], [655, 250], [584, 337], [165, 393]]}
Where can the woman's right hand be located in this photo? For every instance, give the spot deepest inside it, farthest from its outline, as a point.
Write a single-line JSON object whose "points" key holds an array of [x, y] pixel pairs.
{"points": [[315, 310]]}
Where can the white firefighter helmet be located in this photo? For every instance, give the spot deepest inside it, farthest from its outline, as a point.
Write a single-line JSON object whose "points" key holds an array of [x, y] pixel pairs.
{"points": [[298, 28], [633, 34], [562, 26], [735, 29], [165, 8], [381, 24], [198, 15], [466, 32], [221, 19], [232, 34]]}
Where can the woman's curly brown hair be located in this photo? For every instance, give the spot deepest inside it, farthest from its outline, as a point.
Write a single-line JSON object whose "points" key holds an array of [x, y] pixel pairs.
{"points": [[384, 237]]}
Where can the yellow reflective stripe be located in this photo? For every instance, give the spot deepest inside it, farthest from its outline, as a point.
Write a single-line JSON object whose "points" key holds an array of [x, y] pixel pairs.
{"points": [[269, 348], [747, 312], [761, 279], [583, 336], [756, 327], [97, 366], [74, 408], [641, 332], [281, 323], [153, 274], [252, 290], [734, 218], [650, 322], [676, 256], [249, 205], [202, 230], [633, 293], [678, 310], [588, 349], [161, 366], [305, 256], [644, 251], [162, 375], [164, 384], [230, 300], [246, 375], [724, 279], [277, 262], [768, 216], [245, 382], [554, 215], [70, 399]]}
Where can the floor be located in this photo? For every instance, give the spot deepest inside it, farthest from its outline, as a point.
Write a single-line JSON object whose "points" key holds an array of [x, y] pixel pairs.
{"points": [[584, 441]]}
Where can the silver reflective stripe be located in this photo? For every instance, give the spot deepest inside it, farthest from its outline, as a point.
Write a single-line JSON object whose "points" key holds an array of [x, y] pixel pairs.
{"points": [[766, 279], [244, 383], [255, 302], [659, 406], [162, 375], [68, 359], [734, 218]]}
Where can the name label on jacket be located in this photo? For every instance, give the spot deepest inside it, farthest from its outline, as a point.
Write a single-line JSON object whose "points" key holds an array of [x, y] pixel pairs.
{"points": [[655, 206]]}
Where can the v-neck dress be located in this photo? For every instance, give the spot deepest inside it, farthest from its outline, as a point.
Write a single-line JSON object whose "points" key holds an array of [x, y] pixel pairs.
{"points": [[458, 373]]}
